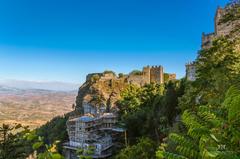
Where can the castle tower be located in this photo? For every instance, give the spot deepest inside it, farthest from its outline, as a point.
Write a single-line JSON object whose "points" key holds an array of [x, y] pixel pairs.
{"points": [[191, 71], [156, 74], [146, 74], [207, 40], [217, 18]]}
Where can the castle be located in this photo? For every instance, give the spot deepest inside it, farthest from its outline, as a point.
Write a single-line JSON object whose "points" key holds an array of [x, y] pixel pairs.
{"points": [[149, 74], [95, 128], [154, 74], [221, 28]]}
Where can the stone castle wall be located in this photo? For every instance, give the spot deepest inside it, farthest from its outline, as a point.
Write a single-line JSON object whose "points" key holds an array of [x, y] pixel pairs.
{"points": [[136, 80], [146, 74], [153, 74], [172, 76], [207, 40], [156, 75], [220, 28]]}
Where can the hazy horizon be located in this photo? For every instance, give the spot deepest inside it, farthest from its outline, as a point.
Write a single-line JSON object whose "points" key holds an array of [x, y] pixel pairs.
{"points": [[45, 85]]}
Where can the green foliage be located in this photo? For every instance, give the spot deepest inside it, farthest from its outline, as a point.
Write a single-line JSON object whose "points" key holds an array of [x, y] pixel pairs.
{"points": [[130, 100], [18, 142], [43, 151], [149, 111], [136, 72], [137, 111], [12, 142], [232, 103], [233, 12], [166, 77], [50, 153], [211, 132], [86, 153], [109, 72], [188, 100], [210, 106], [144, 149], [163, 154], [170, 101], [94, 78], [98, 100], [54, 130], [218, 68], [120, 75]]}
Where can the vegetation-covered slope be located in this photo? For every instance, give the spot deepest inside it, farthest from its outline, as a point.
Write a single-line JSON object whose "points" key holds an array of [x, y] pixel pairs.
{"points": [[178, 120], [211, 104]]}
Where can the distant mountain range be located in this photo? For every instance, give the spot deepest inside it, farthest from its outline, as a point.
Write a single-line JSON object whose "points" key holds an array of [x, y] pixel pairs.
{"points": [[34, 103], [54, 86]]}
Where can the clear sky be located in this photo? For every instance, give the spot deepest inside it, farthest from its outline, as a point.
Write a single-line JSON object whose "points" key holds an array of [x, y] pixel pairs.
{"points": [[56, 40]]}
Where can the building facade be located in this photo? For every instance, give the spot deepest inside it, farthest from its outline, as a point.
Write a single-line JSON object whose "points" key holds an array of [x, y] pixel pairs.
{"points": [[92, 131], [191, 71]]}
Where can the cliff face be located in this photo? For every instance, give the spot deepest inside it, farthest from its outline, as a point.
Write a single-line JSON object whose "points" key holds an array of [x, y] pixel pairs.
{"points": [[100, 90]]}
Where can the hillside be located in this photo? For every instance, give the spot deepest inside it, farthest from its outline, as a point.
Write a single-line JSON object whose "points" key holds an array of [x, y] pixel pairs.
{"points": [[33, 107]]}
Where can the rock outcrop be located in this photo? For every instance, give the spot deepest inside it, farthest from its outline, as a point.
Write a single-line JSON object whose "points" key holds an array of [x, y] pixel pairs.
{"points": [[100, 90]]}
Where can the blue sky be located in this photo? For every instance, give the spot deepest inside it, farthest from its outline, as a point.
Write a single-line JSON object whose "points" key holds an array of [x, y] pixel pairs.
{"points": [[56, 40]]}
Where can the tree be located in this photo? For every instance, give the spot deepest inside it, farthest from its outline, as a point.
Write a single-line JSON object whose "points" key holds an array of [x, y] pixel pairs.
{"points": [[212, 131], [42, 150], [109, 72], [144, 149], [54, 130], [18, 142], [136, 72], [233, 12], [148, 111], [218, 68], [137, 111], [120, 75], [171, 102], [12, 142], [130, 100], [86, 153], [94, 78]]}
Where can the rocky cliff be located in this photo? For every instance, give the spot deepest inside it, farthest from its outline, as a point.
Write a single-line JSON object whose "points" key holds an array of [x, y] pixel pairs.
{"points": [[100, 89]]}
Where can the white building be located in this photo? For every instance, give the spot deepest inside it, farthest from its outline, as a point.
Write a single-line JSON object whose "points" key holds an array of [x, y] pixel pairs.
{"points": [[191, 71], [91, 131]]}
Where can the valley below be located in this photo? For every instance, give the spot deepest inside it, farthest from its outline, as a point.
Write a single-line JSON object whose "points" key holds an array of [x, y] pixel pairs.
{"points": [[33, 107]]}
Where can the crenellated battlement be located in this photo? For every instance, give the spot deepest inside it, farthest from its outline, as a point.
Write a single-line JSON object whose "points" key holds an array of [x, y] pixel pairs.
{"points": [[221, 27], [150, 74]]}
